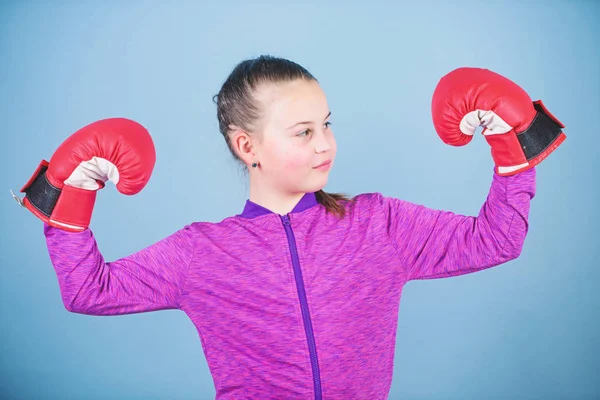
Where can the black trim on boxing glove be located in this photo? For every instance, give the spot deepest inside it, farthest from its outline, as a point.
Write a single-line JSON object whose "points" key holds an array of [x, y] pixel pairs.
{"points": [[42, 194], [540, 134]]}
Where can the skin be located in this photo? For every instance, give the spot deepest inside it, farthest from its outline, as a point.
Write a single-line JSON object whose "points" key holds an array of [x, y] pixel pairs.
{"points": [[290, 139]]}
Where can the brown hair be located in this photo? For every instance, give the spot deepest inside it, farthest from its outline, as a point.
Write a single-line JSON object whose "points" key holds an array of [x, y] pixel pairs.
{"points": [[236, 105]]}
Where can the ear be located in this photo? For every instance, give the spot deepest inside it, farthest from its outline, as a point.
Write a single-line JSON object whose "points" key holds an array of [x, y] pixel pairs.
{"points": [[243, 145]]}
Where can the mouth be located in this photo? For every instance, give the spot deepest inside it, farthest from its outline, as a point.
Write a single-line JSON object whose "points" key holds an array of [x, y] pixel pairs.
{"points": [[323, 165]]}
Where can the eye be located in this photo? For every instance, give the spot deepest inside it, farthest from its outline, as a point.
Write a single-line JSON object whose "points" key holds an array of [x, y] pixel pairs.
{"points": [[304, 133], [327, 124]]}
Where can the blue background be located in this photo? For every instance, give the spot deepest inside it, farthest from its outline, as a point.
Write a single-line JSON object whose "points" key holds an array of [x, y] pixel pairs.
{"points": [[527, 329]]}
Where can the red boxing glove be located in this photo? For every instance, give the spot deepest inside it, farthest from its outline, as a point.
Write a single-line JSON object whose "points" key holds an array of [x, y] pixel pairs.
{"points": [[62, 192], [521, 132]]}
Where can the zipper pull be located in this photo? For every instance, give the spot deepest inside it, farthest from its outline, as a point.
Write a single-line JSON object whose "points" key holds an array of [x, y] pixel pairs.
{"points": [[286, 219]]}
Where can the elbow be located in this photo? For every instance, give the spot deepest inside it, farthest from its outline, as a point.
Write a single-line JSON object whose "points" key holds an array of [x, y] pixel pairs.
{"points": [[514, 239], [70, 306], [82, 305], [512, 249], [516, 253], [77, 309]]}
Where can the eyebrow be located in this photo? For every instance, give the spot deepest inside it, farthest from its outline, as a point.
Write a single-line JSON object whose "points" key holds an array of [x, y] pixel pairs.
{"points": [[307, 122]]}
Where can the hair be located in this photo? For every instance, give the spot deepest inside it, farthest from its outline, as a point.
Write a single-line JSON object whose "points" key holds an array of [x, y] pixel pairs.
{"points": [[237, 106]]}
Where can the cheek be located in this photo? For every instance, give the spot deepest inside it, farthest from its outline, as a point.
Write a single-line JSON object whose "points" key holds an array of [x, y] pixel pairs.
{"points": [[295, 160], [287, 159]]}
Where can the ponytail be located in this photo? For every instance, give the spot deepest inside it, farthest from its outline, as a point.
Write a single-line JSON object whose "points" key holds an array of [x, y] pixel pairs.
{"points": [[332, 202]]}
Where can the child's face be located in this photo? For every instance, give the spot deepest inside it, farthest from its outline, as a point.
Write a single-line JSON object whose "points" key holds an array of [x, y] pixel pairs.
{"points": [[295, 136]]}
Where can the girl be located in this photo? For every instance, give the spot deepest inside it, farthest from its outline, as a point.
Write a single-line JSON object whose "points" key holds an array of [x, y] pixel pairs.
{"points": [[297, 296]]}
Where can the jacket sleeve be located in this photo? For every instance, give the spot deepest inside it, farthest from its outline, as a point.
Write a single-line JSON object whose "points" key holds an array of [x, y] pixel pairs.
{"points": [[437, 244], [151, 279]]}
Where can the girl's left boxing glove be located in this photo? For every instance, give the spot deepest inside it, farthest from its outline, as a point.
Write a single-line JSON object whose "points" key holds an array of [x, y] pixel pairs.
{"points": [[62, 192], [521, 132]]}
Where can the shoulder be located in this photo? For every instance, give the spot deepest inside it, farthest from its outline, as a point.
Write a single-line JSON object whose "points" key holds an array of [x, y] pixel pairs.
{"points": [[367, 200], [206, 226], [217, 229], [365, 204]]}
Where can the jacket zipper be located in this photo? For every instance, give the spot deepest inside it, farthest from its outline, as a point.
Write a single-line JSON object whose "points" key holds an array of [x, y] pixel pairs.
{"points": [[303, 305]]}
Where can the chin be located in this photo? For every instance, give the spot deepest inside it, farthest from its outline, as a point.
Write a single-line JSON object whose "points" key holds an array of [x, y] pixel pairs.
{"points": [[306, 184], [316, 185]]}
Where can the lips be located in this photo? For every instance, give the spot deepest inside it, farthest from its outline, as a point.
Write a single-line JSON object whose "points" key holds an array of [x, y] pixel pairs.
{"points": [[323, 164]]}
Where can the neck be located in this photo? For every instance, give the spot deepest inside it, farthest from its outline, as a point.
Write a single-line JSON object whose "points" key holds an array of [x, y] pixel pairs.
{"points": [[276, 201]]}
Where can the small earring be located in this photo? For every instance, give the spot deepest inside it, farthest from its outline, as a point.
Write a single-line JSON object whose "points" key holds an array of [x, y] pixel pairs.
{"points": [[254, 165]]}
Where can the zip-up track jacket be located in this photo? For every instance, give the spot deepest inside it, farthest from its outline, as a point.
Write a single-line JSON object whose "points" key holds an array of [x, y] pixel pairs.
{"points": [[303, 305]]}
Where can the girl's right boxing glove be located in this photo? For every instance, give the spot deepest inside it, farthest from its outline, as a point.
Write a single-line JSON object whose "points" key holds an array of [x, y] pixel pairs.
{"points": [[62, 192]]}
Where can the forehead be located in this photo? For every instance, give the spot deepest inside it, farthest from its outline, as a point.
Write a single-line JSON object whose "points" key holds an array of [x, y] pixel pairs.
{"points": [[289, 102]]}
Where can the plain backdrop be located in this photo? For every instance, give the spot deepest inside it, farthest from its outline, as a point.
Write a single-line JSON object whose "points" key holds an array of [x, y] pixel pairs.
{"points": [[527, 329]]}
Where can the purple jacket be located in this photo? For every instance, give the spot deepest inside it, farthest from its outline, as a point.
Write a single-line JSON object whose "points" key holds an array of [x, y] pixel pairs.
{"points": [[299, 306]]}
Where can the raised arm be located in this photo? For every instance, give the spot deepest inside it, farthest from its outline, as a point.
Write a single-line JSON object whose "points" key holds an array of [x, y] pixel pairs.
{"points": [[436, 244], [521, 133], [62, 193]]}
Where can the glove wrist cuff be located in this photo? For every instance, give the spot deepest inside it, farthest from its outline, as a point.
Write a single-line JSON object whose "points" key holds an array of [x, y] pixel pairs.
{"points": [[519, 151], [543, 131], [68, 208]]}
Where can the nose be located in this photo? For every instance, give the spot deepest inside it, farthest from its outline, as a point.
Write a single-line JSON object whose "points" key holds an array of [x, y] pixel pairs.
{"points": [[322, 142]]}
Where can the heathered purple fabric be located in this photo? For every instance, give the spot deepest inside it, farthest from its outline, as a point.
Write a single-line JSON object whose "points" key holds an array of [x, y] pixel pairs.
{"points": [[235, 281]]}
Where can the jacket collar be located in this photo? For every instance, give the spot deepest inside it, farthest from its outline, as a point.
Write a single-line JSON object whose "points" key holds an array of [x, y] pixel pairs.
{"points": [[253, 210]]}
